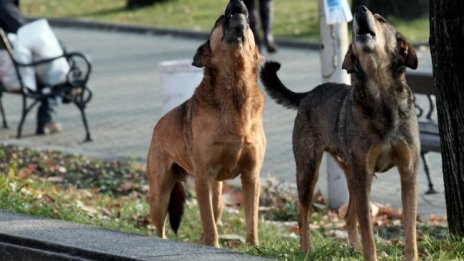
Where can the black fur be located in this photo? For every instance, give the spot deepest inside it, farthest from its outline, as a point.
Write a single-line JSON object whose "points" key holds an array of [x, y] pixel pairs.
{"points": [[176, 206], [276, 89]]}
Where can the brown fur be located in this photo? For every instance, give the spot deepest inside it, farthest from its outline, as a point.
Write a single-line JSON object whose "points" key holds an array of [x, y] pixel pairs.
{"points": [[217, 134], [368, 127]]}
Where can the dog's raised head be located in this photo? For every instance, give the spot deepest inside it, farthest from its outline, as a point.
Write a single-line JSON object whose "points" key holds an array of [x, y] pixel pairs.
{"points": [[230, 42], [377, 45]]}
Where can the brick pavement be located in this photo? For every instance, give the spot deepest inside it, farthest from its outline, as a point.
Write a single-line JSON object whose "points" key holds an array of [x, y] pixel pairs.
{"points": [[127, 103]]}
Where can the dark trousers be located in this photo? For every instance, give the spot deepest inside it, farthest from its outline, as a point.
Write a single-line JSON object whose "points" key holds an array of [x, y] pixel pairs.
{"points": [[265, 17], [46, 111], [10, 16]]}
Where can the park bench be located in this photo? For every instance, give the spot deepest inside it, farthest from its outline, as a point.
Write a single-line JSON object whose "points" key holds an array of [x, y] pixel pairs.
{"points": [[422, 83], [73, 90]]}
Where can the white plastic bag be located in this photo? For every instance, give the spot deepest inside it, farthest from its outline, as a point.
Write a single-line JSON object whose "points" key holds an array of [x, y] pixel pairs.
{"points": [[39, 38], [24, 55], [8, 75], [7, 72]]}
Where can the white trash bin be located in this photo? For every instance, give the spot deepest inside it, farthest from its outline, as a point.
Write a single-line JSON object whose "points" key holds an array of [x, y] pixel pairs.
{"points": [[178, 80]]}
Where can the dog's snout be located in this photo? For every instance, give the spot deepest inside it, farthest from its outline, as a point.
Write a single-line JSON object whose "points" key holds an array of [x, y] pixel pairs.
{"points": [[361, 9], [236, 7]]}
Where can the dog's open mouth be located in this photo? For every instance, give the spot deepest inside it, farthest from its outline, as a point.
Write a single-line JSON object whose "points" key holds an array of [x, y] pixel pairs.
{"points": [[364, 30]]}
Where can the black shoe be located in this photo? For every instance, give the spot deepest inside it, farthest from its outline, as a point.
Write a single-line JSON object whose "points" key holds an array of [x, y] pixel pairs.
{"points": [[40, 131]]}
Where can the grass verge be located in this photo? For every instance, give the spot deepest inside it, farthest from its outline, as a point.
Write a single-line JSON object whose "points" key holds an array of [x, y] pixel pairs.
{"points": [[112, 195]]}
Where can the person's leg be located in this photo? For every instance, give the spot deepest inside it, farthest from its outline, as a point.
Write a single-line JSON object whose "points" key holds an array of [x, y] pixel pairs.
{"points": [[10, 16], [45, 113], [253, 17], [266, 14]]}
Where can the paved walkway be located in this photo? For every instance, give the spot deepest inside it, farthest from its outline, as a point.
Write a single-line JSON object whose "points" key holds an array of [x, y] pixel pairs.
{"points": [[127, 103]]}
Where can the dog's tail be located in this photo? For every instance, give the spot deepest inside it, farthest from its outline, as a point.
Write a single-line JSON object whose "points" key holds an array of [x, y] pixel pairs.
{"points": [[176, 206], [276, 89]]}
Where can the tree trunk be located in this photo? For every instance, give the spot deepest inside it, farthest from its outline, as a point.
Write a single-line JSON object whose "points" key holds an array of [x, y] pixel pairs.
{"points": [[406, 9], [446, 46]]}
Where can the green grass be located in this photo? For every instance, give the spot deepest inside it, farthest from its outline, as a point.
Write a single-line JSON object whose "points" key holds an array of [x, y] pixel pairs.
{"points": [[112, 195], [293, 18]]}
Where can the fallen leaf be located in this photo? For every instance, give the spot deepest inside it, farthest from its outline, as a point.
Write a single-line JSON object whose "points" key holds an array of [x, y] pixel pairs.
{"points": [[141, 221], [231, 240], [319, 198], [126, 186], [106, 212], [294, 229], [47, 199], [231, 197], [337, 234], [90, 210], [52, 165], [55, 179], [23, 173], [390, 212]]}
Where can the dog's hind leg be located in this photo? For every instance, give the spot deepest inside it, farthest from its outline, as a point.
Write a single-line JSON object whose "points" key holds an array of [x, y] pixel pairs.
{"points": [[308, 155], [217, 201], [161, 183]]}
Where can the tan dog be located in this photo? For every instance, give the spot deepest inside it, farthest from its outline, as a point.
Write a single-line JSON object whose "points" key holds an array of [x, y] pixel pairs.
{"points": [[215, 135], [368, 127]]}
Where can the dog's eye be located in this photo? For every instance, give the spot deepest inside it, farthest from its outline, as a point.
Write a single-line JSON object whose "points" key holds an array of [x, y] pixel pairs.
{"points": [[381, 19]]}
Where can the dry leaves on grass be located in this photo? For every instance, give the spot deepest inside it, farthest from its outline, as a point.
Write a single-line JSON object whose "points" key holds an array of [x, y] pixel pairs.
{"points": [[111, 177], [231, 197], [85, 180]]}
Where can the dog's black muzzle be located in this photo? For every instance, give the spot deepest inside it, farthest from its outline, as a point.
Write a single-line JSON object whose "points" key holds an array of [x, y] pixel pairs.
{"points": [[236, 21], [363, 25]]}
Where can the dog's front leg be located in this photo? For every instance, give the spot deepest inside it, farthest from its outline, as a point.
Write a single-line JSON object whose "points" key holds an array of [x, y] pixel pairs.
{"points": [[203, 191], [361, 183], [409, 201], [408, 172], [250, 184]]}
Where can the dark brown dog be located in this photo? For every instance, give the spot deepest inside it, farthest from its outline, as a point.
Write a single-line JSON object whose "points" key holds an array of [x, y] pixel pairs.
{"points": [[368, 127], [215, 135]]}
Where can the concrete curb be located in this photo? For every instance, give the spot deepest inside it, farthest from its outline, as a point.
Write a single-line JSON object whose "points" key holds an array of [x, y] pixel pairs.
{"points": [[27, 238]]}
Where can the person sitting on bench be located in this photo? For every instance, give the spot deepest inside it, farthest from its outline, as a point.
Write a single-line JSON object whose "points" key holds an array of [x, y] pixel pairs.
{"points": [[10, 21]]}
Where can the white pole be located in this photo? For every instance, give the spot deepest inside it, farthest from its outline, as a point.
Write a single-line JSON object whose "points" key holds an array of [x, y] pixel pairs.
{"points": [[334, 45]]}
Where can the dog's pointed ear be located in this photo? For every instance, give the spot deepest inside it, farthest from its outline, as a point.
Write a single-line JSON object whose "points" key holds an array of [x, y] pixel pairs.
{"points": [[349, 61], [198, 57], [407, 52]]}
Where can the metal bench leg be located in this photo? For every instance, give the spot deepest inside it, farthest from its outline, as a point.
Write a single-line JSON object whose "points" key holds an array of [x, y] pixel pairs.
{"points": [[23, 117], [81, 108], [25, 111], [5, 124], [427, 172]]}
